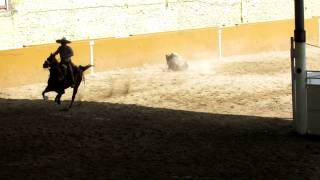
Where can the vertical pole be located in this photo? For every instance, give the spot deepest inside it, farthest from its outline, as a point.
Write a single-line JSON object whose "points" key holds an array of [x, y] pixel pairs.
{"points": [[220, 42], [300, 121], [293, 79], [91, 43], [318, 31]]}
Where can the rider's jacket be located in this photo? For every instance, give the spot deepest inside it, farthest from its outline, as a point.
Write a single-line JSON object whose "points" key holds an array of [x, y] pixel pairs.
{"points": [[65, 53]]}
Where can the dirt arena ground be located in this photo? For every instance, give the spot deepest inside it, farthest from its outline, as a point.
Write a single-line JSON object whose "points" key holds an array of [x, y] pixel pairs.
{"points": [[221, 119]]}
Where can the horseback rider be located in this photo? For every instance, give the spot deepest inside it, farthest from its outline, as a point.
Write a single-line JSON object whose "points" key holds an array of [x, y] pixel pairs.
{"points": [[65, 53]]}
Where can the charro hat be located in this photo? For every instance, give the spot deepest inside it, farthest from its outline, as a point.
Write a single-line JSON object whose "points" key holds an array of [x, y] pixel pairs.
{"points": [[63, 40]]}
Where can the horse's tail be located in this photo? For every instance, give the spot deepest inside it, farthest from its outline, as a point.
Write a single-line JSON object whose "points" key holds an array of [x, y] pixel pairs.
{"points": [[84, 68]]}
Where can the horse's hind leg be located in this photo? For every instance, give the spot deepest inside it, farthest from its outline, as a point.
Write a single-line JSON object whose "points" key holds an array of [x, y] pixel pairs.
{"points": [[75, 90]]}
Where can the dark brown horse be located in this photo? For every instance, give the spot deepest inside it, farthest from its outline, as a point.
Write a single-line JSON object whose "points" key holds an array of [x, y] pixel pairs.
{"points": [[55, 83]]}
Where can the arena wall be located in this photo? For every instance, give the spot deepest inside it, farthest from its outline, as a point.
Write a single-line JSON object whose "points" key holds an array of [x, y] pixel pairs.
{"points": [[152, 48], [24, 66], [264, 37]]}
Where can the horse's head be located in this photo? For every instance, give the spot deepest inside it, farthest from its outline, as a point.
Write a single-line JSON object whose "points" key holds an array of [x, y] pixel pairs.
{"points": [[49, 61]]}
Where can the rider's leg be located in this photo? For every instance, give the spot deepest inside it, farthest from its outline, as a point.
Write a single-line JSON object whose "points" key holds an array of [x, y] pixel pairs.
{"points": [[71, 73], [61, 74], [63, 69]]}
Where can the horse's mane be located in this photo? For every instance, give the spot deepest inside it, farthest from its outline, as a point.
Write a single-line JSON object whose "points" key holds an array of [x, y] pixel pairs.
{"points": [[54, 59]]}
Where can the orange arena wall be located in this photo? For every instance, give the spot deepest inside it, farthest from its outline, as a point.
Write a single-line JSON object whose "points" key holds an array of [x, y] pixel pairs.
{"points": [[263, 37], [24, 66], [151, 48]]}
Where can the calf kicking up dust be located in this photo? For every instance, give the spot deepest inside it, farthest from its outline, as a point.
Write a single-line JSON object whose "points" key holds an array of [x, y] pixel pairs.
{"points": [[175, 62]]}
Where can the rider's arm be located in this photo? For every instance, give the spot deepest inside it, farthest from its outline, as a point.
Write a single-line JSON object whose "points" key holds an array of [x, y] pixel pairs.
{"points": [[57, 51]]}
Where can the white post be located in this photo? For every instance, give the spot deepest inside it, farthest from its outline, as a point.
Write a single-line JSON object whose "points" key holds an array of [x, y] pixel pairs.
{"points": [[91, 43], [220, 43], [301, 122], [293, 79], [7, 5]]}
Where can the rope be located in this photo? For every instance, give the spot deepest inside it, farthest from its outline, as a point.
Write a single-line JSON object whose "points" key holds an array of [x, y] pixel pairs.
{"points": [[312, 45]]}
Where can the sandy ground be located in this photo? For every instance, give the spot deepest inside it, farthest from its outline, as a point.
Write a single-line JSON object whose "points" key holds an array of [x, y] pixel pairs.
{"points": [[221, 119]]}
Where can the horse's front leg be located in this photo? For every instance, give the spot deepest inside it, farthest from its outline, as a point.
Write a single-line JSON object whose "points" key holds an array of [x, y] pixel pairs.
{"points": [[58, 98], [44, 92]]}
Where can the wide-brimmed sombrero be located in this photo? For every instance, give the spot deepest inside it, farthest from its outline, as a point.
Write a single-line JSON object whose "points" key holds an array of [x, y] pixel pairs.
{"points": [[63, 40]]}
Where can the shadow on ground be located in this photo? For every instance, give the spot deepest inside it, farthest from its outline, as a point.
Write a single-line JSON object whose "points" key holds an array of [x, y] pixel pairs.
{"points": [[103, 140]]}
